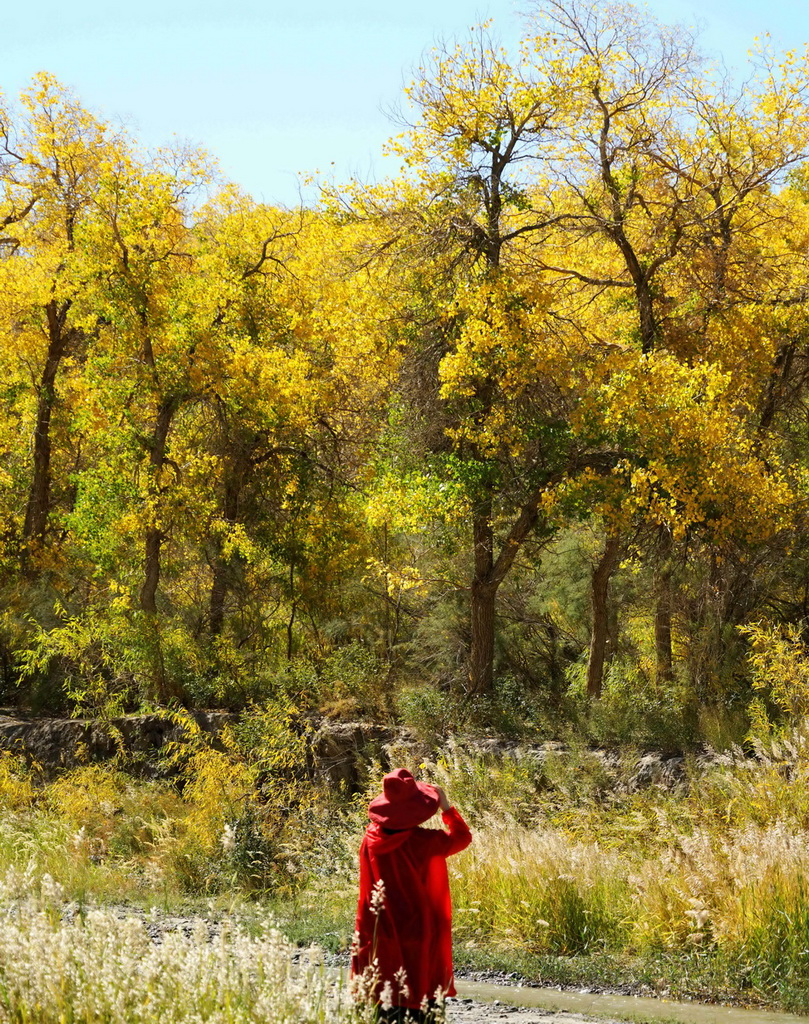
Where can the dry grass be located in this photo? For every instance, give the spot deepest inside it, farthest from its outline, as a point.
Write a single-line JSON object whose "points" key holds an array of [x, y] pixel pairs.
{"points": [[99, 967]]}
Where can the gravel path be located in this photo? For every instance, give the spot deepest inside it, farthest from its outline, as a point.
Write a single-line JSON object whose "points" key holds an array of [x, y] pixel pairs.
{"points": [[469, 1011]]}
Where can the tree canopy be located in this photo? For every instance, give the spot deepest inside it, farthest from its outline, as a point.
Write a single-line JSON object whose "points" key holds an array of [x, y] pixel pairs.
{"points": [[530, 412]]}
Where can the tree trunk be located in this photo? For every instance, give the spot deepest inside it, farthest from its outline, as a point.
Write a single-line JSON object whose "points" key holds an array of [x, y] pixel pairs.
{"points": [[293, 610], [648, 325], [216, 601], [663, 654], [154, 535], [38, 505], [481, 659], [776, 386], [234, 479], [153, 543], [482, 599], [489, 574], [599, 597]]}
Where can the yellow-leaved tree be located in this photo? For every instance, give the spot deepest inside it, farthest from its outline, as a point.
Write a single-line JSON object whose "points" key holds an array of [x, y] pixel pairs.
{"points": [[585, 236]]}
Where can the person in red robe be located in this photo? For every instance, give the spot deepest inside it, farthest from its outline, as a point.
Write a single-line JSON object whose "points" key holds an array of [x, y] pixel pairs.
{"points": [[402, 955]]}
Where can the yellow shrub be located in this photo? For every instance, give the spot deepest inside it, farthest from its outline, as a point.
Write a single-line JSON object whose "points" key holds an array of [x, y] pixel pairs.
{"points": [[779, 663], [16, 790], [218, 790], [87, 796]]}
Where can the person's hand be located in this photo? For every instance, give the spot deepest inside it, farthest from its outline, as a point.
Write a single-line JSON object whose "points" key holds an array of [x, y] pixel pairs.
{"points": [[443, 803]]}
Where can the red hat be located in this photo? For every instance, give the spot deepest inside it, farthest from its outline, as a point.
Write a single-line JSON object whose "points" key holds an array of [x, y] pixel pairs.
{"points": [[404, 803]]}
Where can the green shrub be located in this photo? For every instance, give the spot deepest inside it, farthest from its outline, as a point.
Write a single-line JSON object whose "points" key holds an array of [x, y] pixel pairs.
{"points": [[431, 713]]}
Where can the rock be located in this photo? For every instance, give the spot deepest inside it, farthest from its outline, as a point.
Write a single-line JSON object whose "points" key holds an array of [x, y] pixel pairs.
{"points": [[656, 770], [338, 750], [342, 751]]}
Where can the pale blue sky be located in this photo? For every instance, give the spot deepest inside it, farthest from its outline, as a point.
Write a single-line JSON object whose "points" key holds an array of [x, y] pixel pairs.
{"points": [[272, 89]]}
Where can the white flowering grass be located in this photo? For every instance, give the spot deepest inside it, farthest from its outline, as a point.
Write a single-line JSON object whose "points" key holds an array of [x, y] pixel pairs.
{"points": [[102, 968]]}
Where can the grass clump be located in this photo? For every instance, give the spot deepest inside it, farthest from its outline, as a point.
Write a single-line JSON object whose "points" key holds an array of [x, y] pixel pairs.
{"points": [[16, 782], [536, 890]]}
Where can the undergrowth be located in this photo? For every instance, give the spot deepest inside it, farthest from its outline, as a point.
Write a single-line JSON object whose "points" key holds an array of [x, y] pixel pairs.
{"points": [[695, 883]]}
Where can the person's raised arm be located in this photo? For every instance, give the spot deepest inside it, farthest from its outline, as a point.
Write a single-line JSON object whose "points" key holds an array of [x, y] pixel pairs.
{"points": [[457, 837]]}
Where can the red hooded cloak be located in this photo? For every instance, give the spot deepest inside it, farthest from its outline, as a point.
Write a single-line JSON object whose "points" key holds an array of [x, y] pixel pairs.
{"points": [[412, 931]]}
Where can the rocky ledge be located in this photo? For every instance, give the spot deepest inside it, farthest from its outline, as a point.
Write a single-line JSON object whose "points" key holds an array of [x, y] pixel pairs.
{"points": [[338, 751], [52, 743]]}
